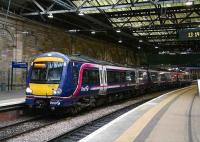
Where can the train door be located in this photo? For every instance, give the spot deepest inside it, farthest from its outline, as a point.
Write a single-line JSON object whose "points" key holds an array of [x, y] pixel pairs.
{"points": [[137, 78], [103, 80]]}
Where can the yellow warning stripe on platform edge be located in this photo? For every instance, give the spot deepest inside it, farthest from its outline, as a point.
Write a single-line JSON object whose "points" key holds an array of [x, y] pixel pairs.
{"points": [[133, 131]]}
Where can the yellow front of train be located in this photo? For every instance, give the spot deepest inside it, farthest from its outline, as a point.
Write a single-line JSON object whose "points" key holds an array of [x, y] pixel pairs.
{"points": [[44, 80]]}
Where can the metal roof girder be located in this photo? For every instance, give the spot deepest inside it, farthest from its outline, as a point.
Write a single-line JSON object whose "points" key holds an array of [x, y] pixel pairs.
{"points": [[64, 4], [188, 15], [38, 5]]}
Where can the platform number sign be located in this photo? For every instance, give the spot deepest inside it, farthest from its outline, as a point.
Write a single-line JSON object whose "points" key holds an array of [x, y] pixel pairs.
{"points": [[189, 34], [19, 64]]}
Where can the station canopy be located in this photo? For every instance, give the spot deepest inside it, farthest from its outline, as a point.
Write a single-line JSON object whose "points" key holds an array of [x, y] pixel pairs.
{"points": [[136, 22]]}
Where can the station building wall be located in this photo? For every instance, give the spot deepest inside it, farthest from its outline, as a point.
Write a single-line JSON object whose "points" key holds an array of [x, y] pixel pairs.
{"points": [[22, 39]]}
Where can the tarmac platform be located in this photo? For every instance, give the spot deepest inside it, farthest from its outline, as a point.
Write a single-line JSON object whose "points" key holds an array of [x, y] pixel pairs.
{"points": [[172, 117], [12, 97]]}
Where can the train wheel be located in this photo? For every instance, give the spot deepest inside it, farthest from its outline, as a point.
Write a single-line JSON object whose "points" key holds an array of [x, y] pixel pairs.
{"points": [[74, 110]]}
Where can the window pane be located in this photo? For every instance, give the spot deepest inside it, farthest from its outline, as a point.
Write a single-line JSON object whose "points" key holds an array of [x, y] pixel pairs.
{"points": [[154, 76], [91, 77], [50, 72]]}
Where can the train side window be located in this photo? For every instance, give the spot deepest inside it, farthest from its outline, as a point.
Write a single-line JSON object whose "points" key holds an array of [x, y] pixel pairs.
{"points": [[91, 77], [116, 77], [75, 75], [163, 77], [154, 76], [113, 77], [94, 77], [85, 77], [130, 77]]}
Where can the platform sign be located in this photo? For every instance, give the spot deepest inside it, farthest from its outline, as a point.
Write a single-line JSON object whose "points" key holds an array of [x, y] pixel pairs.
{"points": [[16, 65], [189, 34], [198, 84], [19, 64]]}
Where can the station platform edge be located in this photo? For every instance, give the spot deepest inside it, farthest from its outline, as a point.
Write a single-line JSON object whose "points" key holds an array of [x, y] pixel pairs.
{"points": [[172, 117]]}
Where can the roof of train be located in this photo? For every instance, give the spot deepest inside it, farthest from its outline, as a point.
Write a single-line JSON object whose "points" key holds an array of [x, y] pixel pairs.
{"points": [[83, 58], [80, 58]]}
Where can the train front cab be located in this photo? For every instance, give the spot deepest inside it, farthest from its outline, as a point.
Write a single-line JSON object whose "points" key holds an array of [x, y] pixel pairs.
{"points": [[45, 80]]}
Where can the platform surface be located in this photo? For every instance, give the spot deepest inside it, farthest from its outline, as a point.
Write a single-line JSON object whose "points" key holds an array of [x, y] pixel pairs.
{"points": [[12, 97], [172, 117]]}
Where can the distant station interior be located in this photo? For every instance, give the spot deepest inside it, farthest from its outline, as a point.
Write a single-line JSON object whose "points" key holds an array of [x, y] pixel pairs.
{"points": [[80, 55]]}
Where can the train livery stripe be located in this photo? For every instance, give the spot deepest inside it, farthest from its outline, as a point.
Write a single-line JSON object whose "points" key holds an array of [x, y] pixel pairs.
{"points": [[119, 68]]}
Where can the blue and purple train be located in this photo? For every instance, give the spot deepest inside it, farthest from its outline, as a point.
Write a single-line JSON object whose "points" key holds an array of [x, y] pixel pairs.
{"points": [[56, 80]]}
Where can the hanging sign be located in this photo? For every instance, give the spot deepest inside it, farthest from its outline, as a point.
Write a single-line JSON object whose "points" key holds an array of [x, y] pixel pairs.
{"points": [[189, 34]]}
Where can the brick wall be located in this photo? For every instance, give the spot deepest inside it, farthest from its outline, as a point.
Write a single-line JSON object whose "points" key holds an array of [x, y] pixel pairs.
{"points": [[21, 40]]}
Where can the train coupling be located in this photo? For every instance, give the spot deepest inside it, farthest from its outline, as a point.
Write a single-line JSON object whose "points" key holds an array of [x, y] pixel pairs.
{"points": [[41, 104]]}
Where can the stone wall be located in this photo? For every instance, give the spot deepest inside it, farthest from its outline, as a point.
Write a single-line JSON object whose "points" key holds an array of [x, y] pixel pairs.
{"points": [[21, 40]]}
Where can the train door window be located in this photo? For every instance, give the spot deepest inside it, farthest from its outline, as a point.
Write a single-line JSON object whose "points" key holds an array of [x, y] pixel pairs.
{"points": [[117, 77], [128, 77], [142, 75], [133, 80], [109, 77], [75, 75], [123, 77]]}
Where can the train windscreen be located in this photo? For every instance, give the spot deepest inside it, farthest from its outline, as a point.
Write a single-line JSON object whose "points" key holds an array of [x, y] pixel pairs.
{"points": [[47, 72]]}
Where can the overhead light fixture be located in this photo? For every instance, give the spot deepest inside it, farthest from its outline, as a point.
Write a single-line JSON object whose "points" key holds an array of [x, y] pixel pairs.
{"points": [[120, 41], [25, 32], [189, 3], [50, 15], [156, 47], [73, 31], [81, 14], [93, 32], [168, 5], [118, 30]]}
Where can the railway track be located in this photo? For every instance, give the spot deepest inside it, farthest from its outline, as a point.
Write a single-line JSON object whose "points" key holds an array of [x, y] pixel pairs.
{"points": [[16, 129], [35, 123], [12, 107], [83, 131]]}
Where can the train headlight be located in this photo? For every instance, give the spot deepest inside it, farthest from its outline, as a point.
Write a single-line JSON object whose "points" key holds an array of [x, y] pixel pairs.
{"points": [[57, 92], [28, 90]]}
